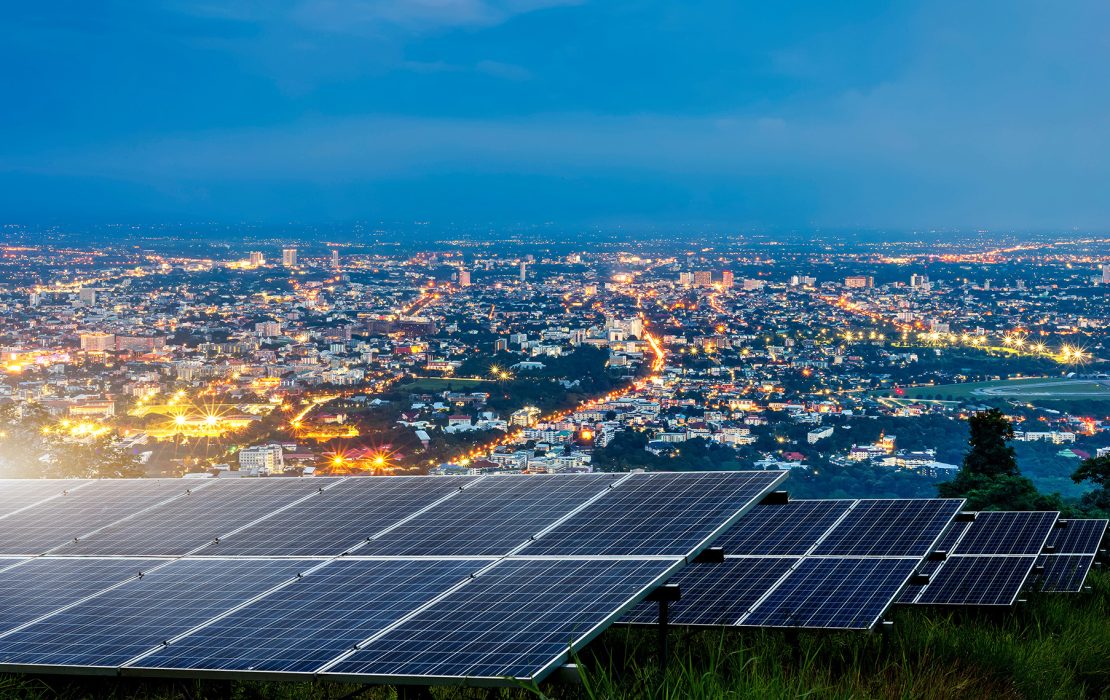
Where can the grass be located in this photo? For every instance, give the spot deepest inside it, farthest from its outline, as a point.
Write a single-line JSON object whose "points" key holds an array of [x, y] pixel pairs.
{"points": [[1042, 389], [1053, 647]]}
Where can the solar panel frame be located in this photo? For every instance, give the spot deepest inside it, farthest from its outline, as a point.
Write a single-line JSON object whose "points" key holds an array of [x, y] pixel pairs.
{"points": [[973, 580], [716, 595], [873, 583], [1080, 536], [20, 494], [366, 506], [273, 635], [181, 525], [110, 628], [879, 527], [351, 667], [631, 515], [1008, 532], [788, 529], [1064, 573], [522, 507], [55, 522]]}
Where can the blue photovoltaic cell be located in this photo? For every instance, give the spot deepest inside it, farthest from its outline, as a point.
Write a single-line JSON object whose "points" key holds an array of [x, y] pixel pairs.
{"points": [[656, 514], [40, 586], [833, 593], [302, 626], [111, 628], [517, 620], [20, 493], [949, 541], [790, 528], [1016, 532], [183, 524], [1064, 573], [1078, 537], [60, 520], [716, 594], [338, 518], [902, 527], [492, 517], [978, 580]]}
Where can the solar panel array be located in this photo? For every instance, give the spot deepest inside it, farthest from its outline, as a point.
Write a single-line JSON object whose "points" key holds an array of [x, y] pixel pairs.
{"points": [[828, 564], [401, 579], [988, 560], [1070, 553]]}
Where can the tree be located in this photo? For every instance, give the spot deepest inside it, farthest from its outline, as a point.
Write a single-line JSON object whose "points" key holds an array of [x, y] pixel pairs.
{"points": [[1095, 470], [990, 478], [990, 453]]}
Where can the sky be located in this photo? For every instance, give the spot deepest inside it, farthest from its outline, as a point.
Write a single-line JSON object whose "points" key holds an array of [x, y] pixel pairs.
{"points": [[796, 114]]}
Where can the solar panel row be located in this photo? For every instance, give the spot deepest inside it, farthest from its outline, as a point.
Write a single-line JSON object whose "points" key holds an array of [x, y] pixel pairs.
{"points": [[502, 616], [990, 560], [820, 564]]}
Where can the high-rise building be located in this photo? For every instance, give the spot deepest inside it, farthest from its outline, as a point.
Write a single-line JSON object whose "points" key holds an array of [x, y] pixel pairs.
{"points": [[703, 278], [334, 259], [523, 271], [1106, 273], [684, 278], [464, 277], [289, 257], [919, 281], [257, 259], [859, 281], [98, 342], [87, 296], [726, 279]]}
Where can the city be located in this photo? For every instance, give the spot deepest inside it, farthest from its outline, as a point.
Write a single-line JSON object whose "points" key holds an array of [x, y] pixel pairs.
{"points": [[854, 366]]}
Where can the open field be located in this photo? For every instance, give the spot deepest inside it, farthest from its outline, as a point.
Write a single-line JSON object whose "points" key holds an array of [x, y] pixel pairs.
{"points": [[1052, 647], [1036, 389]]}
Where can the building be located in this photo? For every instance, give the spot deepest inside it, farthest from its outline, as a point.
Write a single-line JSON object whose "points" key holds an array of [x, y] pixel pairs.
{"points": [[685, 278], [726, 279], [139, 343], [523, 271], [464, 277], [257, 259], [753, 285], [818, 434], [703, 278], [268, 329], [525, 417], [334, 259], [289, 257], [1106, 273], [267, 458], [87, 296], [859, 281], [98, 342], [919, 281]]}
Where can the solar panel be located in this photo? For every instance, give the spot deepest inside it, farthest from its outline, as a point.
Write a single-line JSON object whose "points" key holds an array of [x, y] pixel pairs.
{"points": [[39, 586], [54, 522], [517, 620], [901, 527], [791, 528], [717, 594], [1012, 532], [978, 580], [657, 514], [183, 524], [1064, 573], [300, 627], [494, 516], [20, 493], [111, 628], [833, 593], [338, 518], [949, 541], [1078, 537]]}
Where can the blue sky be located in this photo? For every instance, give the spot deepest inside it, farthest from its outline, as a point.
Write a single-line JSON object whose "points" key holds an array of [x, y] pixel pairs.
{"points": [[793, 114]]}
